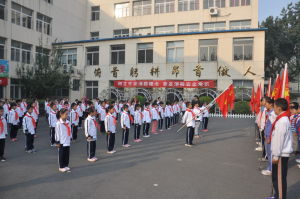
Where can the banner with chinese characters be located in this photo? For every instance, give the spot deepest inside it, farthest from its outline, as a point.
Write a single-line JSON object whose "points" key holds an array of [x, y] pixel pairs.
{"points": [[164, 83], [4, 68]]}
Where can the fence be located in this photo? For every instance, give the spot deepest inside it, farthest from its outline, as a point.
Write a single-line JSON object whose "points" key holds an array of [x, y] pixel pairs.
{"points": [[232, 115]]}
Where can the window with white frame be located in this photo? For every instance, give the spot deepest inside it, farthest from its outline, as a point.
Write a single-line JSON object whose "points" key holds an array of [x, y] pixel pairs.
{"points": [[69, 57], [243, 24], [21, 15], [43, 23], [42, 55], [242, 49], [234, 3], [121, 33], [94, 35], [16, 89], [208, 50], [164, 6], [175, 51], [91, 89], [212, 26], [92, 55], [145, 53], [2, 48], [95, 13], [142, 7], [117, 54], [214, 3], [164, 29], [20, 52], [243, 83], [121, 10], [245, 2], [186, 5], [2, 9], [188, 27], [76, 84], [141, 31]]}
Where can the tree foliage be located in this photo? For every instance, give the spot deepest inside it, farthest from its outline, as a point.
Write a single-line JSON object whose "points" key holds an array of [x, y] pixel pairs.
{"points": [[283, 42]]}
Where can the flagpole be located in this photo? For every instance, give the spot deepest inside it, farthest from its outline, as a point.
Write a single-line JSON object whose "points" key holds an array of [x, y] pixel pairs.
{"points": [[284, 79]]}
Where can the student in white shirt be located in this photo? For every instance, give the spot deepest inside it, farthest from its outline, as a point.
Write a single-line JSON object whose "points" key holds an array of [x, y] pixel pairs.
{"points": [[110, 128], [90, 130], [79, 110], [155, 117], [189, 120], [3, 133], [6, 107], [138, 120], [161, 116], [198, 118], [102, 115], [167, 113], [13, 121], [74, 119], [52, 119], [29, 126], [205, 117], [147, 120], [126, 119], [21, 112], [63, 139]]}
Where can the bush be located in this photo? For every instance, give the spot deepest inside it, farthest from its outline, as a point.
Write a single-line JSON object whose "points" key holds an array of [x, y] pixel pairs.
{"points": [[141, 99], [206, 99], [241, 107]]}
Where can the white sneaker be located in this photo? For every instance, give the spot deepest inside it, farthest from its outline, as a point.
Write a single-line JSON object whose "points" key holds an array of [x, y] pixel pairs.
{"points": [[266, 172], [258, 148], [91, 160], [67, 168], [62, 170], [95, 158], [111, 152], [258, 143], [147, 136], [262, 159], [298, 166], [298, 161], [188, 145]]}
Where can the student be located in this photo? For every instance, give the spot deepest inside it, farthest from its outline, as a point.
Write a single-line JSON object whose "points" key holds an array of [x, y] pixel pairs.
{"points": [[13, 120], [74, 119], [29, 126], [155, 117], [110, 128], [205, 117], [20, 112], [126, 120], [198, 118], [52, 119], [90, 130], [63, 139], [167, 114], [102, 115], [270, 118], [293, 119], [161, 116], [183, 107], [138, 120], [146, 120], [3, 133], [189, 120], [281, 147], [79, 110]]}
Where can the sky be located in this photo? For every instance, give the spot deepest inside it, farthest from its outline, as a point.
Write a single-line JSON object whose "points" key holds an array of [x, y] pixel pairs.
{"points": [[272, 7]]}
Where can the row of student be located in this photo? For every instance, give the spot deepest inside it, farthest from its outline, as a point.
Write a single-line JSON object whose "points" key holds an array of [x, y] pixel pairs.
{"points": [[277, 123]]}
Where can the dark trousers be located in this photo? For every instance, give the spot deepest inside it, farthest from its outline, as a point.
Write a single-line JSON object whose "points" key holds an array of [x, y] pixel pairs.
{"points": [[205, 122], [160, 124], [190, 135], [91, 149], [63, 156], [74, 132], [284, 168], [14, 131], [102, 127], [52, 135], [80, 121], [263, 144], [2, 146], [21, 122], [110, 139], [167, 122], [146, 128], [125, 135], [137, 131], [29, 141]]}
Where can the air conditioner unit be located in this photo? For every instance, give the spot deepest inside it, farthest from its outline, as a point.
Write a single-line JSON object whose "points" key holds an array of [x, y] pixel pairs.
{"points": [[213, 11]]}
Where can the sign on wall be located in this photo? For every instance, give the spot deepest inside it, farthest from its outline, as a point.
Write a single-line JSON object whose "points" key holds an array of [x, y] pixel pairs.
{"points": [[4, 68], [3, 81], [164, 83]]}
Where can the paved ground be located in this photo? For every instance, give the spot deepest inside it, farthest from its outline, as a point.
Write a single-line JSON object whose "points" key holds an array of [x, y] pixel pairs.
{"points": [[222, 166]]}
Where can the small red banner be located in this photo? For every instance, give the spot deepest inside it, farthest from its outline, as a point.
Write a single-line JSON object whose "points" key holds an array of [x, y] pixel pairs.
{"points": [[164, 83], [3, 81]]}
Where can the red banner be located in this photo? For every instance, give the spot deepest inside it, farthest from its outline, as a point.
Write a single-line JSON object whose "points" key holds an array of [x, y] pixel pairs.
{"points": [[164, 83], [3, 81]]}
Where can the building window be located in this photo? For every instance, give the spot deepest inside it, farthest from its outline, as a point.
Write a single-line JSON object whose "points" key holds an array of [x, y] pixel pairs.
{"points": [[43, 24], [164, 6], [76, 84], [121, 10], [141, 31], [42, 55], [164, 29], [213, 3], [94, 35], [91, 89], [244, 24], [145, 53], [242, 48], [208, 49], [92, 55], [117, 54], [214, 26], [2, 48], [188, 27], [69, 57], [175, 52], [95, 13], [234, 3], [20, 52], [142, 7], [121, 33], [21, 15], [16, 89], [186, 5], [2, 9], [245, 2]]}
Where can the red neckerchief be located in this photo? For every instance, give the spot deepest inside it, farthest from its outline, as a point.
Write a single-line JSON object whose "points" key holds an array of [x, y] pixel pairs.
{"points": [[68, 128], [35, 111], [115, 119], [284, 114], [1, 126], [16, 115], [76, 116], [157, 111], [189, 110], [20, 108], [141, 114], [32, 120], [149, 112], [96, 124], [130, 117]]}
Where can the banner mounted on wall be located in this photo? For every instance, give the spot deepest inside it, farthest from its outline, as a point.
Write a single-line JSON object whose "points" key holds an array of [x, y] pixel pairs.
{"points": [[164, 84], [4, 68]]}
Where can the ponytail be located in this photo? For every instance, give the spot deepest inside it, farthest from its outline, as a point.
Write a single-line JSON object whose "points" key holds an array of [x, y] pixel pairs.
{"points": [[59, 113]]}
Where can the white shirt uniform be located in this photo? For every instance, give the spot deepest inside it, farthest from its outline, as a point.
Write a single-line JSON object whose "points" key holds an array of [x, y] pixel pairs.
{"points": [[6, 109], [205, 111], [74, 117], [188, 118], [198, 114], [79, 110], [52, 119], [167, 111], [125, 120], [147, 115], [183, 106], [90, 128], [110, 123], [138, 117], [12, 117], [61, 132], [3, 133], [102, 113], [20, 111], [161, 111], [28, 124], [155, 114]]}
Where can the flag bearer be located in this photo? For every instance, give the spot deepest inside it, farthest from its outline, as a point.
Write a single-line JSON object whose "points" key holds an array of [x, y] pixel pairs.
{"points": [[189, 120]]}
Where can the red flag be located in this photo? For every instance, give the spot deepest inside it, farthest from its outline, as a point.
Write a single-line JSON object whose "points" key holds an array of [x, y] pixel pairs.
{"points": [[231, 96], [285, 90], [252, 101], [257, 99], [222, 102], [277, 88], [269, 88]]}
